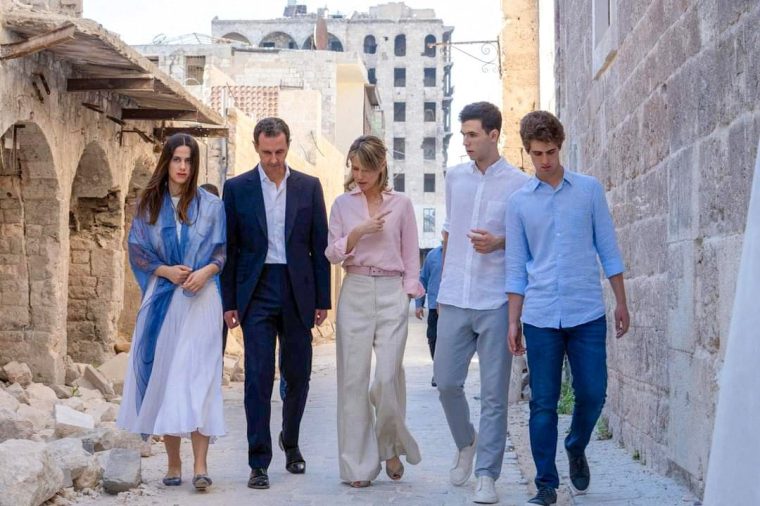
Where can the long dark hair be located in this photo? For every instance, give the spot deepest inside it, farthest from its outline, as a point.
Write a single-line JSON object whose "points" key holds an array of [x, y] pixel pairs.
{"points": [[153, 195]]}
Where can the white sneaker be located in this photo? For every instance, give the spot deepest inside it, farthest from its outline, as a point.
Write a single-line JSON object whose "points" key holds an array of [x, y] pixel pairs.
{"points": [[485, 492], [462, 468]]}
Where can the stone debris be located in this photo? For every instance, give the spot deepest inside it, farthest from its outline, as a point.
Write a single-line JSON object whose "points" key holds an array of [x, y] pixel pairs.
{"points": [[14, 427], [62, 391], [99, 381], [34, 476], [17, 391], [41, 396], [69, 422], [114, 370], [40, 418], [8, 401], [72, 370], [123, 471], [103, 411], [80, 468], [14, 372]]}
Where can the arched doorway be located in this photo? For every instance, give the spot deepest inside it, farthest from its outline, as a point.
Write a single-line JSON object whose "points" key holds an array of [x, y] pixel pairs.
{"points": [[132, 296], [31, 227], [95, 259], [236, 37], [278, 40]]}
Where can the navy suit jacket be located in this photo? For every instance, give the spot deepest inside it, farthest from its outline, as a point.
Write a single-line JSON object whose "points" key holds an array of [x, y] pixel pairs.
{"points": [[305, 242]]}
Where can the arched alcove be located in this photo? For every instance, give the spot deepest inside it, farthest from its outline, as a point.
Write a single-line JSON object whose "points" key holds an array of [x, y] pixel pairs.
{"points": [[95, 259], [132, 295], [236, 37], [31, 301], [278, 40]]}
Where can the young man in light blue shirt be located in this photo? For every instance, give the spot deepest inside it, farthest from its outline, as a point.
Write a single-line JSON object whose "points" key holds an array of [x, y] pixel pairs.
{"points": [[558, 224], [430, 277]]}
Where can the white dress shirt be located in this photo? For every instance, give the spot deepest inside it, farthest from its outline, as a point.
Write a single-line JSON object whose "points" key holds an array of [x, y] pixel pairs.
{"points": [[274, 205], [475, 200]]}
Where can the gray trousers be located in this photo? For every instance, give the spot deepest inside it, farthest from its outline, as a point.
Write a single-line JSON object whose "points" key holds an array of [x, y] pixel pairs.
{"points": [[461, 332]]}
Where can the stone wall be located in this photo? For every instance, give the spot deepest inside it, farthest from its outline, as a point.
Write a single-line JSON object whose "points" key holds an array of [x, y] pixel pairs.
{"points": [[666, 113]]}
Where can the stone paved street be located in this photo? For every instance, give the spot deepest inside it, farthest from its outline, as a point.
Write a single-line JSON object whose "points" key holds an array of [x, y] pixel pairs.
{"points": [[618, 479]]}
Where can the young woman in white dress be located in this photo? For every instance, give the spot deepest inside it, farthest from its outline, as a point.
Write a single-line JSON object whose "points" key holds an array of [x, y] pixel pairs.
{"points": [[176, 249]]}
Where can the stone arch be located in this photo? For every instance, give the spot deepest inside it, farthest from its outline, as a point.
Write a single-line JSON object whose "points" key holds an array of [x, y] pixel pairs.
{"points": [[429, 48], [333, 43], [132, 295], [236, 37], [95, 259], [279, 40], [31, 229], [370, 44]]}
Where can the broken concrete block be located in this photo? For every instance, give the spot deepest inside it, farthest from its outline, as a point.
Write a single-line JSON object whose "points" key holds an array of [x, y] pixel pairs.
{"points": [[14, 372], [72, 370], [17, 391], [14, 427], [70, 456], [40, 418], [31, 476], [115, 370], [98, 380], [7, 401], [123, 471], [62, 391], [69, 422], [102, 411], [106, 438], [41, 396]]}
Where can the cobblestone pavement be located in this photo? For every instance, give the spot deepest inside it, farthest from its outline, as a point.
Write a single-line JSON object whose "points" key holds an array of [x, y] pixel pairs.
{"points": [[617, 479]]}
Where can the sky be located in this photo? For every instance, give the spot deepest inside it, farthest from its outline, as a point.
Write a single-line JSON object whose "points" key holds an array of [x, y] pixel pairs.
{"points": [[140, 21]]}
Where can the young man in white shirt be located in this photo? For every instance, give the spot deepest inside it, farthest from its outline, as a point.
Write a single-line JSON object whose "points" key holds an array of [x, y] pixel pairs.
{"points": [[472, 302]]}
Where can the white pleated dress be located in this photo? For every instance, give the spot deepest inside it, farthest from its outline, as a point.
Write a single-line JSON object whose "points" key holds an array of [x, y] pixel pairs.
{"points": [[184, 393]]}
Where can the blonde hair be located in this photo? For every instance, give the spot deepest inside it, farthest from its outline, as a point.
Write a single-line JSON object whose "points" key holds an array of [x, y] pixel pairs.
{"points": [[370, 151]]}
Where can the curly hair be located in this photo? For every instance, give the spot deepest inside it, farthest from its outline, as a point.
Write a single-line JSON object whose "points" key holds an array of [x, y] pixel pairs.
{"points": [[541, 126]]}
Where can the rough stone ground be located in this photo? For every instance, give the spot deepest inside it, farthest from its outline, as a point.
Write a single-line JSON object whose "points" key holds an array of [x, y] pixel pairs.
{"points": [[618, 480]]}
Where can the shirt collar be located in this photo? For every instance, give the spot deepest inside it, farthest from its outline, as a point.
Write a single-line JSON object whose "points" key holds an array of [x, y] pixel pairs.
{"points": [[567, 176], [265, 179], [496, 167], [356, 191]]}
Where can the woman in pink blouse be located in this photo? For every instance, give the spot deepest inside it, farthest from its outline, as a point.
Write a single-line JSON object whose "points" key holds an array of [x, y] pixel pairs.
{"points": [[373, 232]]}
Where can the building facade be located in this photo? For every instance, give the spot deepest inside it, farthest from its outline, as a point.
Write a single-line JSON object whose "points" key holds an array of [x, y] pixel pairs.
{"points": [[397, 45]]}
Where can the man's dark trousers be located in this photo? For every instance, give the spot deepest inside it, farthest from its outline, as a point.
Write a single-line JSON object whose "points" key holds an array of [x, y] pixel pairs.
{"points": [[432, 330], [273, 312]]}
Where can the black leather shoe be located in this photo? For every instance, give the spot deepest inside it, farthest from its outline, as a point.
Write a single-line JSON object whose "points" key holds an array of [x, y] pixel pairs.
{"points": [[258, 479], [580, 475], [294, 461]]}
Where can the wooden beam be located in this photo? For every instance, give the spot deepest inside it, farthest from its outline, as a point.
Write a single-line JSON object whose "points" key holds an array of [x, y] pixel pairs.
{"points": [[162, 133], [158, 114], [111, 84], [64, 33]]}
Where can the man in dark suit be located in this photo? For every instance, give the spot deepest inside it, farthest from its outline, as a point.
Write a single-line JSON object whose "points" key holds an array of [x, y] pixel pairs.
{"points": [[276, 282]]}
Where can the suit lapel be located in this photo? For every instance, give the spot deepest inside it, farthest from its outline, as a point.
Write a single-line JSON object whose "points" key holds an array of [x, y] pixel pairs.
{"points": [[258, 200], [291, 202]]}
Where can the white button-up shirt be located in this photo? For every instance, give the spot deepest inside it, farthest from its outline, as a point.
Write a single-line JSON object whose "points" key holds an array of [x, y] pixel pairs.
{"points": [[475, 200], [274, 205]]}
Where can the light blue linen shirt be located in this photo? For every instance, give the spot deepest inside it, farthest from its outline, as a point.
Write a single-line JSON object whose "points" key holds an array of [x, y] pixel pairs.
{"points": [[554, 236], [430, 277]]}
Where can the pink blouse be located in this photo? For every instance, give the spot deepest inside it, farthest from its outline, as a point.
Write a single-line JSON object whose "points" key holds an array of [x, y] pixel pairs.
{"points": [[395, 248]]}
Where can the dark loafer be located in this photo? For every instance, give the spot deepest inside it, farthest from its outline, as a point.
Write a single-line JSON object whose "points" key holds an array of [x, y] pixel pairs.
{"points": [[259, 479], [201, 482], [172, 481], [294, 461]]}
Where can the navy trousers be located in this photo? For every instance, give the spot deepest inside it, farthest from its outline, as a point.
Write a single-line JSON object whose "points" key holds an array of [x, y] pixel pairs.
{"points": [[272, 312]]}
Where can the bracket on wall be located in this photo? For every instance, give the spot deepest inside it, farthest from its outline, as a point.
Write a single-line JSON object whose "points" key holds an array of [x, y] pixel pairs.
{"points": [[491, 62]]}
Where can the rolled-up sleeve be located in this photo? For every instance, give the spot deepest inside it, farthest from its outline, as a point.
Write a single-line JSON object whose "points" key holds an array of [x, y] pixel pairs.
{"points": [[410, 252], [337, 239], [517, 253], [604, 234]]}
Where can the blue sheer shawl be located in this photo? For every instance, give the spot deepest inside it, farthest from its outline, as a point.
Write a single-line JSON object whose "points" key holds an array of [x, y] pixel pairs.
{"points": [[201, 242]]}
